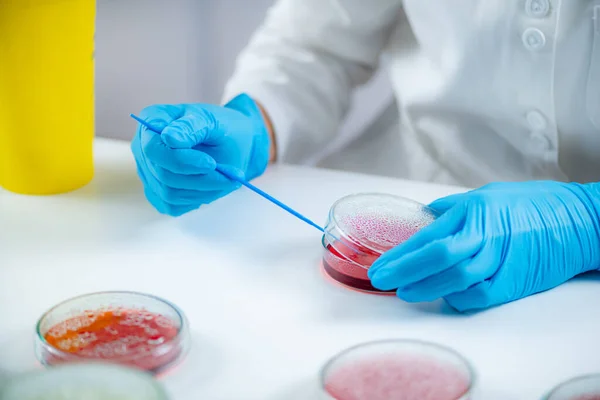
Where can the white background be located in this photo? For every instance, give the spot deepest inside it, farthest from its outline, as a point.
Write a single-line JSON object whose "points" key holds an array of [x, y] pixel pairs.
{"points": [[172, 51]]}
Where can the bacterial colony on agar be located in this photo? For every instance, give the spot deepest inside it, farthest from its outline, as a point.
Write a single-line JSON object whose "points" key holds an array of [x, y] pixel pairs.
{"points": [[361, 227], [131, 329]]}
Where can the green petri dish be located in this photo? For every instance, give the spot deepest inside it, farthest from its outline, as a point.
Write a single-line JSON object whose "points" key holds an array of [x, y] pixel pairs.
{"points": [[93, 381]]}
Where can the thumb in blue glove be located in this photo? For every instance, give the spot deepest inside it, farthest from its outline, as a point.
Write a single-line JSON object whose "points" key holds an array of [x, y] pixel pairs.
{"points": [[178, 165], [496, 244]]}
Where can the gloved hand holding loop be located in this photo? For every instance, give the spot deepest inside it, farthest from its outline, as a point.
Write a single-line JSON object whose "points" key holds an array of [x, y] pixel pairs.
{"points": [[178, 167]]}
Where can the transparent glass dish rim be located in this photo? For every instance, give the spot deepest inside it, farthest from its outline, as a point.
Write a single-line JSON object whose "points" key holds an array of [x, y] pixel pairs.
{"points": [[438, 348], [577, 385], [92, 368], [335, 237]]}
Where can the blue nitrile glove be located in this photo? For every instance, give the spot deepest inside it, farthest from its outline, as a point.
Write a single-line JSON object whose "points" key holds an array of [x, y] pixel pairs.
{"points": [[497, 244], [177, 166]]}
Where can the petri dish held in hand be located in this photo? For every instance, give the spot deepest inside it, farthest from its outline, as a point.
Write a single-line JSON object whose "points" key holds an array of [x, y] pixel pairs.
{"points": [[84, 381], [397, 369], [361, 227], [585, 387], [128, 328]]}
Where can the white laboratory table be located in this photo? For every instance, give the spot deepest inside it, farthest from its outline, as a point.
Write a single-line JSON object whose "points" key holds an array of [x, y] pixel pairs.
{"points": [[263, 319]]}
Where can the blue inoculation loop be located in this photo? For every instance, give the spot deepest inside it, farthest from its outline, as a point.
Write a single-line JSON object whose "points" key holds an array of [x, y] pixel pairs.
{"points": [[146, 124], [236, 177], [234, 174]]}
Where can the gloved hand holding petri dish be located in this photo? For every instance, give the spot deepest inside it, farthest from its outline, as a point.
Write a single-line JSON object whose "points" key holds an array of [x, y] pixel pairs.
{"points": [[178, 164], [496, 244], [361, 227]]}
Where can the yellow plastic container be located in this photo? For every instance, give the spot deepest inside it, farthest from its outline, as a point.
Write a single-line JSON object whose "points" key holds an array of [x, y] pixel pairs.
{"points": [[46, 95]]}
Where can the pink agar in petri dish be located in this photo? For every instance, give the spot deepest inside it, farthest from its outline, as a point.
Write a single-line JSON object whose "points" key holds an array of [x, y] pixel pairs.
{"points": [[361, 227], [131, 329], [348, 267], [399, 370]]}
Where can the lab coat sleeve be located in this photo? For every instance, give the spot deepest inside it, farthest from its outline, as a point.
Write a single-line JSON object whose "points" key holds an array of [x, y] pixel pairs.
{"points": [[303, 63]]}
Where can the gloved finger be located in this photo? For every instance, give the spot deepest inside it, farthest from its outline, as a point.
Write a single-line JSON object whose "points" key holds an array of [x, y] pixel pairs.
{"points": [[501, 287], [499, 186], [174, 196], [152, 198], [201, 127], [157, 202], [455, 279], [216, 195], [231, 172], [446, 225], [212, 181], [480, 296], [161, 115], [446, 203], [179, 197], [179, 161], [427, 261], [136, 150], [164, 208]]}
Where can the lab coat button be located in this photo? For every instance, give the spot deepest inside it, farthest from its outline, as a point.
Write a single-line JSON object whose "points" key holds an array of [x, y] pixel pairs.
{"points": [[541, 141], [537, 8], [533, 39], [536, 121]]}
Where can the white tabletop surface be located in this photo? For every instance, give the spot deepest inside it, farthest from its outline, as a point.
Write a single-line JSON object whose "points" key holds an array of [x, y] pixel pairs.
{"points": [[263, 318]]}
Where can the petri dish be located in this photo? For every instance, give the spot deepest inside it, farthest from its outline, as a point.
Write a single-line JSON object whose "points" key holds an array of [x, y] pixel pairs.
{"points": [[397, 369], [361, 227], [128, 328], [585, 387], [93, 381]]}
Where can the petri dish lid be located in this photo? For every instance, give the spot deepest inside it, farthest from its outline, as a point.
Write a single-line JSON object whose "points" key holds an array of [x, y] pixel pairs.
{"points": [[90, 381], [585, 387], [73, 314], [373, 359], [377, 221]]}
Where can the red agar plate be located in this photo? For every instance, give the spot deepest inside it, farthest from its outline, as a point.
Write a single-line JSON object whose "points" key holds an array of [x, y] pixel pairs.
{"points": [[132, 329]]}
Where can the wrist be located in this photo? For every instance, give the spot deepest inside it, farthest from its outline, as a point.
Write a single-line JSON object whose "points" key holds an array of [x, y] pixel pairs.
{"points": [[271, 132], [257, 127]]}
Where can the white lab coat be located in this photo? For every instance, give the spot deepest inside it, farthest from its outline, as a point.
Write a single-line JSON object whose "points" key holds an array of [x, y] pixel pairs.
{"points": [[487, 90]]}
